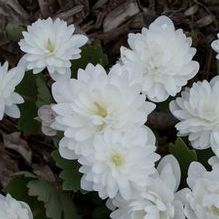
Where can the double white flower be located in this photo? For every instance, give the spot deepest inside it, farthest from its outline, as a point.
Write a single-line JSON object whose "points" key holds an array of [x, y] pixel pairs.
{"points": [[9, 79], [198, 112], [51, 44], [102, 117], [96, 102], [202, 202], [158, 200], [121, 164], [13, 209], [160, 57]]}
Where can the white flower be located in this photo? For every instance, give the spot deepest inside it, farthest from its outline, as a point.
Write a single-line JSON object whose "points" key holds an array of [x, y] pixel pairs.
{"points": [[121, 164], [97, 102], [47, 117], [215, 142], [13, 209], [198, 112], [158, 200], [213, 161], [9, 79], [215, 46], [203, 199], [51, 44], [119, 69], [163, 56], [72, 150]]}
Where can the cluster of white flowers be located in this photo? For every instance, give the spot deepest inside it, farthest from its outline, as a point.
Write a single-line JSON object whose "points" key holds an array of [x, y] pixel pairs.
{"points": [[47, 44], [103, 118], [103, 115], [198, 112], [13, 209]]}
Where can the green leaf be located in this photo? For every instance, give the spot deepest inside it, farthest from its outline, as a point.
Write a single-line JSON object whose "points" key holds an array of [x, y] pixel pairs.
{"points": [[43, 97], [60, 162], [14, 31], [184, 155], [17, 187], [89, 54], [164, 106], [28, 89], [204, 156], [71, 179], [56, 139], [70, 174], [101, 212], [58, 205], [27, 121]]}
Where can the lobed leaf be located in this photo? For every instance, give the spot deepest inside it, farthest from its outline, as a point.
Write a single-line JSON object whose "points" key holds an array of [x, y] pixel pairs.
{"points": [[28, 89], [43, 94], [14, 31], [58, 205], [17, 187], [70, 174]]}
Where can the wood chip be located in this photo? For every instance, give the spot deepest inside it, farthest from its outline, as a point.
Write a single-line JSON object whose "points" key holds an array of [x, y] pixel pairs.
{"points": [[99, 4], [161, 120], [120, 14], [205, 21], [15, 142], [8, 167], [44, 172], [44, 8], [68, 13], [191, 11], [13, 10]]}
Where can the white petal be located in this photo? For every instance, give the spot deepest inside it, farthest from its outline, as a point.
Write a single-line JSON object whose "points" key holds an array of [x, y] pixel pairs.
{"points": [[2, 109], [162, 22], [12, 111], [172, 176], [195, 171], [65, 152]]}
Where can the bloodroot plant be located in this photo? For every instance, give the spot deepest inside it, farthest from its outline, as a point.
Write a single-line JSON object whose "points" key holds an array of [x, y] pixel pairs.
{"points": [[97, 122]]}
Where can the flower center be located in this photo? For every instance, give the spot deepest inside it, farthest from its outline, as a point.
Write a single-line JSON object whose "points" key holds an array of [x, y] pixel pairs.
{"points": [[208, 108], [50, 46], [153, 68], [100, 110], [140, 214], [152, 62], [117, 159]]}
